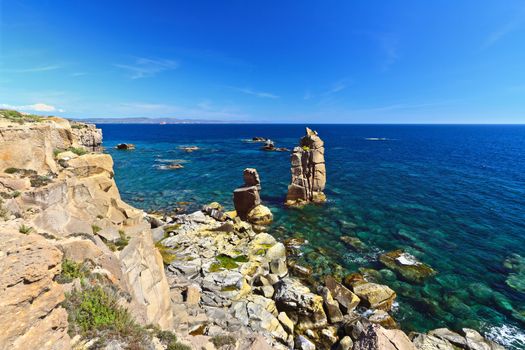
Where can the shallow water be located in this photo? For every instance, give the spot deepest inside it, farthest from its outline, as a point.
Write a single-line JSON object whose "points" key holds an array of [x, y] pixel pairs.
{"points": [[453, 196]]}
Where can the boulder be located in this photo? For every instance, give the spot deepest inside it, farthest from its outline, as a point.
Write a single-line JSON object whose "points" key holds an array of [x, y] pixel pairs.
{"points": [[407, 266], [245, 199], [31, 316], [303, 343], [375, 296], [331, 306], [375, 337], [251, 178], [260, 215], [144, 269], [87, 135], [345, 344], [343, 295], [430, 342], [308, 171], [303, 307]]}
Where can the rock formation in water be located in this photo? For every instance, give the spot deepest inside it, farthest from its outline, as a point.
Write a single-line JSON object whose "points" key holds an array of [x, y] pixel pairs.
{"points": [[308, 171], [247, 200]]}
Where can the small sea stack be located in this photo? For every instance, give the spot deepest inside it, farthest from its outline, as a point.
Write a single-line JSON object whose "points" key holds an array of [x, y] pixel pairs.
{"points": [[125, 146], [308, 171], [247, 200]]}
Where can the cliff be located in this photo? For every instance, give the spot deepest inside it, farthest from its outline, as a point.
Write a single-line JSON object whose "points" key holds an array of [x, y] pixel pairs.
{"points": [[60, 207]]}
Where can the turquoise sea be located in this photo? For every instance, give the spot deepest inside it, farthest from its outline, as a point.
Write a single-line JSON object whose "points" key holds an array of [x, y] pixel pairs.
{"points": [[453, 196]]}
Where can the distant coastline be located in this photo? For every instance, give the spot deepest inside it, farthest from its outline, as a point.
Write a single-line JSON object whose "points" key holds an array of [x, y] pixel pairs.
{"points": [[156, 121]]}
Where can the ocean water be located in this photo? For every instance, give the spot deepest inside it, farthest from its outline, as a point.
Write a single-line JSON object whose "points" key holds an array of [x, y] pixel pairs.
{"points": [[453, 196]]}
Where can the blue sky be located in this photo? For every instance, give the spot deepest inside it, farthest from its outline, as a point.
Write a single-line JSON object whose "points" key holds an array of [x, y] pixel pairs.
{"points": [[347, 61]]}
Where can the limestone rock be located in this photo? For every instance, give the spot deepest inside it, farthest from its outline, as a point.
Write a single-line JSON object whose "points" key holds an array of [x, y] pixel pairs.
{"points": [[308, 171], [251, 178], [260, 215], [303, 307], [142, 264], [375, 296], [343, 295], [31, 146], [383, 318], [303, 343], [430, 342], [375, 337], [345, 344], [331, 306], [31, 316], [87, 135]]}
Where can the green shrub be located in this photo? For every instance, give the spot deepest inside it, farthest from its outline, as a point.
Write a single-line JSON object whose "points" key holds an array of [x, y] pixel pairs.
{"points": [[71, 270], [11, 170], [18, 117], [57, 151], [222, 340], [77, 150], [15, 194], [40, 181], [25, 229], [166, 252], [96, 229], [120, 243]]}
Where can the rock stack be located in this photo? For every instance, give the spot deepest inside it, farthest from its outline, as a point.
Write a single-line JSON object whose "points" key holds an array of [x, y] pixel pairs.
{"points": [[308, 171], [247, 200]]}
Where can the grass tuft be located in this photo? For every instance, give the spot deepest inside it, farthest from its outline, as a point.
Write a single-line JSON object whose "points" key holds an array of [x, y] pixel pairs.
{"points": [[25, 229]]}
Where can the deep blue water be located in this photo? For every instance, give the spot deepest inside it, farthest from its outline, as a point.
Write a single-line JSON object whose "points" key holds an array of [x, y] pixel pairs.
{"points": [[453, 196]]}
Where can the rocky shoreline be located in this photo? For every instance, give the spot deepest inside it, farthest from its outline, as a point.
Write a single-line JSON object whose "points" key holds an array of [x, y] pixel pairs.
{"points": [[214, 279]]}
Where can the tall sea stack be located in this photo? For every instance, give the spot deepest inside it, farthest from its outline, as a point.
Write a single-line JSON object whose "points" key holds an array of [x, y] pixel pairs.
{"points": [[308, 171]]}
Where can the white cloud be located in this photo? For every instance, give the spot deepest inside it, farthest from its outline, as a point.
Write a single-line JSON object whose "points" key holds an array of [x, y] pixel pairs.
{"points": [[33, 69], [498, 34], [145, 67], [37, 107], [260, 94], [390, 46]]}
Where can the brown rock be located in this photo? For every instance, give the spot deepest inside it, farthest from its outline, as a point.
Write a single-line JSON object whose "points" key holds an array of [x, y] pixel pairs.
{"points": [[251, 178], [343, 295], [31, 316], [375, 296], [143, 267], [245, 199], [375, 337], [331, 306], [308, 171]]}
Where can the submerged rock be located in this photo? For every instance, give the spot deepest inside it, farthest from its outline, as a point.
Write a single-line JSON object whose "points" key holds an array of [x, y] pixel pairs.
{"points": [[407, 266], [375, 296], [308, 171], [189, 149]]}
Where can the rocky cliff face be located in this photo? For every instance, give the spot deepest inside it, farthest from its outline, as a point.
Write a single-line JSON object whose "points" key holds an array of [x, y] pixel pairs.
{"points": [[58, 200], [308, 171]]}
